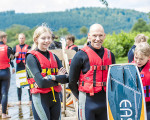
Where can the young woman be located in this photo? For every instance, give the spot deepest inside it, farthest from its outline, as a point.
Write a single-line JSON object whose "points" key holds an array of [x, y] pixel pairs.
{"points": [[142, 59], [44, 74]]}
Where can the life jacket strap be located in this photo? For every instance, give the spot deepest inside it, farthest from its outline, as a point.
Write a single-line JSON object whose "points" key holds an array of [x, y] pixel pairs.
{"points": [[102, 67], [98, 84], [91, 88], [146, 91]]}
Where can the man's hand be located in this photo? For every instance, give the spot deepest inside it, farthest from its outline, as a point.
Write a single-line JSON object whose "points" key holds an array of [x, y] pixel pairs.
{"points": [[61, 71], [16, 54], [13, 70]]}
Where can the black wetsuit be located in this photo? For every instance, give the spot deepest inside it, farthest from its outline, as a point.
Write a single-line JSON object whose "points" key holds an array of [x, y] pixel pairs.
{"points": [[94, 106], [5, 82], [43, 106], [131, 54], [21, 66]]}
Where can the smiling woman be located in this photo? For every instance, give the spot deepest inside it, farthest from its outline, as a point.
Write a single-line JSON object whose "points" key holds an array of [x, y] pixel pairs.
{"points": [[44, 74], [42, 38]]}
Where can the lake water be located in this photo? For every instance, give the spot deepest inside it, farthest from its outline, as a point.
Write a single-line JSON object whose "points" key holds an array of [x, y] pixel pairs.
{"points": [[12, 94]]}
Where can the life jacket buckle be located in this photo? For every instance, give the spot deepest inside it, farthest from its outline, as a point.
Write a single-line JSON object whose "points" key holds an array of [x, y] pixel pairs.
{"points": [[82, 83], [103, 84]]}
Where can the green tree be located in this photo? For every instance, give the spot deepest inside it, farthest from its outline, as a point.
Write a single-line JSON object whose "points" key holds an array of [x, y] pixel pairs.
{"points": [[148, 14], [83, 30], [140, 26], [14, 30], [62, 32]]}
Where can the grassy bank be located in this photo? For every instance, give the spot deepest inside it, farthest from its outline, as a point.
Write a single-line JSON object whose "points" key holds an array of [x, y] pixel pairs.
{"points": [[122, 60]]}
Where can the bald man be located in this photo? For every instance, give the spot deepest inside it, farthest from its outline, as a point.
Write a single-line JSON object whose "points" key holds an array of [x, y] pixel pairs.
{"points": [[20, 52], [88, 75]]}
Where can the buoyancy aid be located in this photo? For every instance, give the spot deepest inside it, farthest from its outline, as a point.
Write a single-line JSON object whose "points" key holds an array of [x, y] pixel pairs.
{"points": [[145, 76], [95, 79], [70, 48], [49, 67], [4, 60], [22, 53]]}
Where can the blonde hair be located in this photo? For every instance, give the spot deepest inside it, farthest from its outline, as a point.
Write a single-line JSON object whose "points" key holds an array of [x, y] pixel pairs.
{"points": [[143, 48], [140, 38], [40, 30], [2, 34]]}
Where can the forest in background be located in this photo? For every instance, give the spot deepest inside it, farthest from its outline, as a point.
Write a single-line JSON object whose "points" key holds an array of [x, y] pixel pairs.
{"points": [[121, 25]]}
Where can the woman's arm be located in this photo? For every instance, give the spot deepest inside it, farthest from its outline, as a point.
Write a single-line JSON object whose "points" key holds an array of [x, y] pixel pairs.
{"points": [[33, 65]]}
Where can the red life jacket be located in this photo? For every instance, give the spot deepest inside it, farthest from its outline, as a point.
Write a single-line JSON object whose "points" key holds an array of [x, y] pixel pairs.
{"points": [[96, 78], [49, 67], [70, 48], [22, 53], [4, 60], [145, 76]]}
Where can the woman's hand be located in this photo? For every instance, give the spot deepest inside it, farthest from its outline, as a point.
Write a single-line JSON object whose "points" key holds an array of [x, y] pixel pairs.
{"points": [[61, 71]]}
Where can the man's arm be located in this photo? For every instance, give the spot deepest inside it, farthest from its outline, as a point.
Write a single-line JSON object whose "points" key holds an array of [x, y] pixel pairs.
{"points": [[33, 68], [74, 74], [10, 54]]}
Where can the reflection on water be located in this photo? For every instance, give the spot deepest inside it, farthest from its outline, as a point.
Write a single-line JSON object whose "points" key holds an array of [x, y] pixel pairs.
{"points": [[12, 95], [23, 112]]}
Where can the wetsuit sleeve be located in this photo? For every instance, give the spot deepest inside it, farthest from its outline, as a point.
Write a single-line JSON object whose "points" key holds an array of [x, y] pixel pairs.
{"points": [[74, 74], [14, 50], [12, 64], [61, 78], [113, 58], [33, 65], [10, 52], [75, 48]]}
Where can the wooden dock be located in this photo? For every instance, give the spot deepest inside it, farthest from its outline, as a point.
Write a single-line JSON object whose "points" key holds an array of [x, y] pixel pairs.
{"points": [[24, 112]]}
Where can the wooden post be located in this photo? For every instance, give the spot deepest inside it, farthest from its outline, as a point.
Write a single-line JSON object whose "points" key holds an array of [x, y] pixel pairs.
{"points": [[65, 55]]}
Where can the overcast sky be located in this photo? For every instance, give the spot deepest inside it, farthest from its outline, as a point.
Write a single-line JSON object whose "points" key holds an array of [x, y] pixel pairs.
{"points": [[36, 6]]}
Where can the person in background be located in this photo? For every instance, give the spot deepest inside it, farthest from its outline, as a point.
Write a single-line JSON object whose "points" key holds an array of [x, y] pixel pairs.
{"points": [[88, 75], [55, 44], [20, 52], [44, 74], [70, 39], [6, 55], [142, 60], [138, 39]]}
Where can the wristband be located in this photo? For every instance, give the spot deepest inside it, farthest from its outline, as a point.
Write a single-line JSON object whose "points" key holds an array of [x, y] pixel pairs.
{"points": [[49, 77]]}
